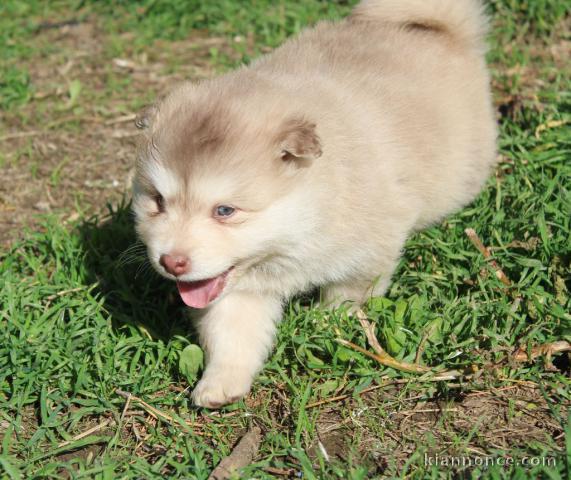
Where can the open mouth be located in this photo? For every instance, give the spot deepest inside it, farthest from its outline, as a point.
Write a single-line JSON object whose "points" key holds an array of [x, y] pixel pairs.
{"points": [[200, 293]]}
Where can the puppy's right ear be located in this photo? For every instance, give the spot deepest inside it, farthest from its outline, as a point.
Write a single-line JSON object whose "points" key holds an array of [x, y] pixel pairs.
{"points": [[298, 140], [144, 120]]}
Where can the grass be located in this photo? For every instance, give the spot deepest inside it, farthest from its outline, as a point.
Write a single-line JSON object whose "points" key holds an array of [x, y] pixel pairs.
{"points": [[81, 318]]}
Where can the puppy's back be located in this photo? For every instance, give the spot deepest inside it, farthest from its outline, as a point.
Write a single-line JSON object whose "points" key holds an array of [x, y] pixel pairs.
{"points": [[400, 94]]}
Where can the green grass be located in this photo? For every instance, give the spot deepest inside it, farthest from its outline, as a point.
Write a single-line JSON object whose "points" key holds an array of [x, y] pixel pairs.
{"points": [[80, 317], [271, 22]]}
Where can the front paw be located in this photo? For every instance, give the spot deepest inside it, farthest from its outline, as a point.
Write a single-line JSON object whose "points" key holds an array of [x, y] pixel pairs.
{"points": [[220, 387]]}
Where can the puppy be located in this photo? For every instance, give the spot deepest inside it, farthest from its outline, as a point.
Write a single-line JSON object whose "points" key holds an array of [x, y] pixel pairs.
{"points": [[310, 167]]}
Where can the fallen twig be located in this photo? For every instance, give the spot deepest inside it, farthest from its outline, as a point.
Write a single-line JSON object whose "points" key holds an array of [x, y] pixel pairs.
{"points": [[475, 239], [290, 472], [94, 429], [381, 355], [61, 293], [421, 347], [49, 126], [427, 410], [548, 125], [123, 119], [386, 360], [547, 349], [431, 375], [494, 390], [450, 375], [242, 455], [155, 412], [338, 398], [126, 407], [29, 133]]}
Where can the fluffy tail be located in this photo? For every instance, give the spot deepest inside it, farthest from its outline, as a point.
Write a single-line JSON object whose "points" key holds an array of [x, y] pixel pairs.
{"points": [[464, 20]]}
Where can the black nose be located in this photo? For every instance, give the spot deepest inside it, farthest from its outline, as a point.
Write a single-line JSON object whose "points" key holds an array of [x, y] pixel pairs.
{"points": [[176, 265]]}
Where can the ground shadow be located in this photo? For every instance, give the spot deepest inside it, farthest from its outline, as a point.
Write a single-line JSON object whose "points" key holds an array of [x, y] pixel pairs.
{"points": [[132, 292]]}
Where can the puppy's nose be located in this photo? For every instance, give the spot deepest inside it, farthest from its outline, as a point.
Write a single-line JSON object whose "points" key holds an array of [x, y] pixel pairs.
{"points": [[175, 264]]}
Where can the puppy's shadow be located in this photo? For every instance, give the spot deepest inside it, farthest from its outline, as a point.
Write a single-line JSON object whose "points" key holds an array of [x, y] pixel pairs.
{"points": [[131, 291]]}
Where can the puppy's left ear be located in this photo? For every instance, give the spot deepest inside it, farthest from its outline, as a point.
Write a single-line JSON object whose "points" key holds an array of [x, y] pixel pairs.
{"points": [[298, 140], [146, 117]]}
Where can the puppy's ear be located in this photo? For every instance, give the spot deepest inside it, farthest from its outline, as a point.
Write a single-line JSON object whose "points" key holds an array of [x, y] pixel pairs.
{"points": [[298, 140], [145, 118]]}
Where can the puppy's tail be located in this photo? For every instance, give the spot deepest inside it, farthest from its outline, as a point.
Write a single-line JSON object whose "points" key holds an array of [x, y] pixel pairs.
{"points": [[462, 20]]}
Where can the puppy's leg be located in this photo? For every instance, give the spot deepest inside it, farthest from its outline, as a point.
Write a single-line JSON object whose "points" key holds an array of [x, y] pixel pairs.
{"points": [[356, 291], [237, 334], [336, 294]]}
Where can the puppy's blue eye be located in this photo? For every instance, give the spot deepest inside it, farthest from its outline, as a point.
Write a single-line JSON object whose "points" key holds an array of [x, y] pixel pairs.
{"points": [[224, 211]]}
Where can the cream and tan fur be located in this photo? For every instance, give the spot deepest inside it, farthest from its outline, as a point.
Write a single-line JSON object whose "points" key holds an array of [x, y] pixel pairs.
{"points": [[332, 150]]}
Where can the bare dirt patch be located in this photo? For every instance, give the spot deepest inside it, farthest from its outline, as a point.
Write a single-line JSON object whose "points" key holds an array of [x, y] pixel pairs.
{"points": [[73, 146], [386, 427], [516, 87]]}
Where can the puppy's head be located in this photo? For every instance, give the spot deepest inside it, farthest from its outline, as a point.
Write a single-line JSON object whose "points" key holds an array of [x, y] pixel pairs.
{"points": [[216, 187]]}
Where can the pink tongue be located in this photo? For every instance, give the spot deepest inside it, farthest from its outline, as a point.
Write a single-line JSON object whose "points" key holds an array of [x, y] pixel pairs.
{"points": [[200, 294]]}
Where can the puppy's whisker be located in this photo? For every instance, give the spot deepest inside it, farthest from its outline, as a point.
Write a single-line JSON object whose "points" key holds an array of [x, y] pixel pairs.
{"points": [[145, 270], [132, 254]]}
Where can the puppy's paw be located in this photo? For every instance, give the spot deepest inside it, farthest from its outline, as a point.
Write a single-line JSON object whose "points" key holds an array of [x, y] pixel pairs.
{"points": [[221, 387]]}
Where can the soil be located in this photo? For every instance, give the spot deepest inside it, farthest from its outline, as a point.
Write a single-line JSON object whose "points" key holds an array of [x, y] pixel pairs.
{"points": [[507, 418], [74, 158]]}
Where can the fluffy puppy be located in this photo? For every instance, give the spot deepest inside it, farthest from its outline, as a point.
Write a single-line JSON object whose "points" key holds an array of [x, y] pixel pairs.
{"points": [[311, 167]]}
